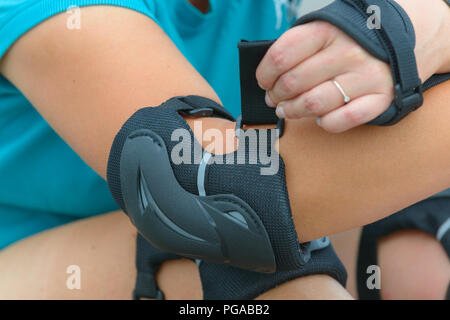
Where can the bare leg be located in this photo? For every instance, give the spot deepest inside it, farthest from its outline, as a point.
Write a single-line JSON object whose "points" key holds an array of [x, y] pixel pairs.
{"points": [[346, 246], [332, 179], [413, 264], [104, 249]]}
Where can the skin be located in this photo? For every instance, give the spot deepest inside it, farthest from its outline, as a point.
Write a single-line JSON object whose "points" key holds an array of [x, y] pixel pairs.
{"points": [[404, 276], [98, 243], [119, 79], [298, 70]]}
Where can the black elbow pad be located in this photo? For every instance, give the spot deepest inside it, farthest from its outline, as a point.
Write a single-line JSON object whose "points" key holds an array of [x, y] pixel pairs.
{"points": [[230, 210]]}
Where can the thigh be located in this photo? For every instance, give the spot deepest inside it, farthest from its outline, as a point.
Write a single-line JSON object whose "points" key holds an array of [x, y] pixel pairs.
{"points": [[346, 245], [414, 265], [104, 248]]}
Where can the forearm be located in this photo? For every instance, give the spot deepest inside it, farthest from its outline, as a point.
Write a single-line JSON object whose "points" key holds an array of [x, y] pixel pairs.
{"points": [[337, 182], [431, 20], [352, 179]]}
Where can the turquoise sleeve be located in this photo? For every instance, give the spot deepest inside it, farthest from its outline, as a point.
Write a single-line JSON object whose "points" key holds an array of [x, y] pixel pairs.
{"points": [[19, 16]]}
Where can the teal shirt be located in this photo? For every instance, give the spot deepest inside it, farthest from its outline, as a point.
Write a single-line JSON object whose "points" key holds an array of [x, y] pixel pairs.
{"points": [[43, 182]]}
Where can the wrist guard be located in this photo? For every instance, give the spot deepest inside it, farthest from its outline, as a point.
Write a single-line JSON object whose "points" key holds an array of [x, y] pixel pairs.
{"points": [[393, 43], [384, 29]]}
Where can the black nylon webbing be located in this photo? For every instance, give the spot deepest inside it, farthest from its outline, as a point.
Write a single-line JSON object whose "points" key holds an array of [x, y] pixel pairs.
{"points": [[253, 105], [401, 58]]}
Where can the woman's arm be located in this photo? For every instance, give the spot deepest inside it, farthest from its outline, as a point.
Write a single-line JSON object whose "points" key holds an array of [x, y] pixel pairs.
{"points": [[86, 83], [340, 181], [431, 21], [91, 81]]}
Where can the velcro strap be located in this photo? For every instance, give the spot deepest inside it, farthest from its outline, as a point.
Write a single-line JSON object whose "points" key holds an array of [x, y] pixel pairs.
{"points": [[253, 105]]}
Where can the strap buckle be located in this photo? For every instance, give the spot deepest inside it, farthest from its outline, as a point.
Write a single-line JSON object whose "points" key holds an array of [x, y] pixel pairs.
{"points": [[407, 102], [240, 126], [199, 112]]}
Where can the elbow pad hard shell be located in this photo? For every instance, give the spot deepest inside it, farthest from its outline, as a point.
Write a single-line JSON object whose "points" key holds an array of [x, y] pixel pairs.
{"points": [[220, 213]]}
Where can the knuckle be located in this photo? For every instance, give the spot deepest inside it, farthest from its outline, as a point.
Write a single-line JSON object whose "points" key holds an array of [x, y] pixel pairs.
{"points": [[289, 38], [288, 83], [322, 29], [377, 69], [353, 117], [356, 54], [312, 104], [277, 56]]}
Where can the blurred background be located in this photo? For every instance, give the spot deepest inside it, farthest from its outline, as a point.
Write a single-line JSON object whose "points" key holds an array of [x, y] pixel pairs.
{"points": [[310, 5]]}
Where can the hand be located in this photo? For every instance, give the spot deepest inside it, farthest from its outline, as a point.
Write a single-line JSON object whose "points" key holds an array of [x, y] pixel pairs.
{"points": [[299, 70]]}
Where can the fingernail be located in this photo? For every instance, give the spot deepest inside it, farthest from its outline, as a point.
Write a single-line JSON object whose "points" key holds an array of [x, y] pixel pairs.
{"points": [[280, 112], [318, 121], [269, 101]]}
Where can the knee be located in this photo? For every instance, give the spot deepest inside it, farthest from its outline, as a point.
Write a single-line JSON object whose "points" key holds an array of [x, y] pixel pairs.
{"points": [[413, 265]]}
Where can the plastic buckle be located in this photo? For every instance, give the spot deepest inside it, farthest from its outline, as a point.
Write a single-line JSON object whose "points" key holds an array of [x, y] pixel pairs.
{"points": [[408, 102], [199, 112], [319, 244], [240, 126]]}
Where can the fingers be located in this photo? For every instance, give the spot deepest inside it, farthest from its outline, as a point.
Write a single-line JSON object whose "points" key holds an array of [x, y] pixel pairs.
{"points": [[293, 47], [299, 70], [324, 98], [355, 113], [323, 66]]}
